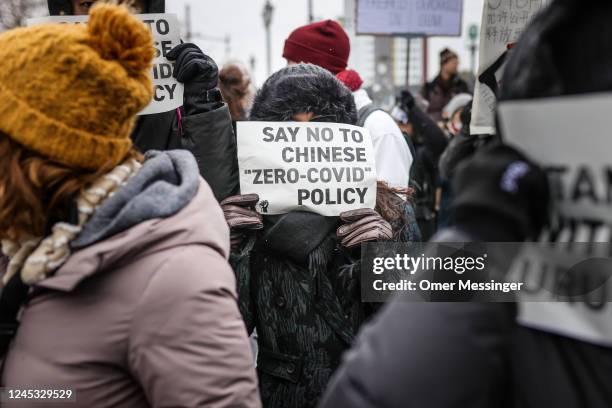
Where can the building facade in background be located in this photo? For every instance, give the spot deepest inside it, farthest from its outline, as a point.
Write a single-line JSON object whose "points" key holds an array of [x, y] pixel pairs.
{"points": [[386, 64]]}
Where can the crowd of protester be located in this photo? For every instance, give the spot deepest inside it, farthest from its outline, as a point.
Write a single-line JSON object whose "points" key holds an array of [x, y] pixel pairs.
{"points": [[134, 271]]}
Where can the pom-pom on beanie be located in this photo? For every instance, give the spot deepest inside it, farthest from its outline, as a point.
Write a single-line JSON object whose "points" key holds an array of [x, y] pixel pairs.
{"points": [[351, 79], [71, 92]]}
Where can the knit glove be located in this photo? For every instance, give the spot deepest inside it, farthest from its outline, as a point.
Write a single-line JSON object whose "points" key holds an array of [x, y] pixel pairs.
{"points": [[363, 225], [241, 217], [199, 73], [501, 195]]}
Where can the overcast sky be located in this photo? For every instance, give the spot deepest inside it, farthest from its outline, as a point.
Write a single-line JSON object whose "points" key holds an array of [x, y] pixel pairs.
{"points": [[241, 19]]}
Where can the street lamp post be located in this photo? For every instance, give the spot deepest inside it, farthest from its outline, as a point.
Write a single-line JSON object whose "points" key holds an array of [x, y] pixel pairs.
{"points": [[310, 12], [473, 34], [267, 18]]}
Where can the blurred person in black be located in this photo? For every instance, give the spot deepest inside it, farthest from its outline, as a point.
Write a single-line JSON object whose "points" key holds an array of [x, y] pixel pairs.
{"points": [[456, 124], [427, 142]]}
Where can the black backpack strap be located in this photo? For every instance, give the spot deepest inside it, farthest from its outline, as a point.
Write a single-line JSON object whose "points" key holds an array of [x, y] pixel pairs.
{"points": [[12, 297], [364, 112]]}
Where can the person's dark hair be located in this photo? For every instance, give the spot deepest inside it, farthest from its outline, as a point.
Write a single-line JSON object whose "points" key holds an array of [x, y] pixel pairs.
{"points": [[304, 88], [234, 85], [307, 88]]}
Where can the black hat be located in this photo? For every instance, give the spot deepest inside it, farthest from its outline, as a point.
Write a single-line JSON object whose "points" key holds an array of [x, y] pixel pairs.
{"points": [[304, 88], [563, 51]]}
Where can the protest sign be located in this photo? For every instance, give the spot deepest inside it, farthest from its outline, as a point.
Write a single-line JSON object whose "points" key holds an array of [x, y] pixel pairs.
{"points": [[417, 17], [166, 35], [564, 297], [503, 21], [326, 168], [567, 137]]}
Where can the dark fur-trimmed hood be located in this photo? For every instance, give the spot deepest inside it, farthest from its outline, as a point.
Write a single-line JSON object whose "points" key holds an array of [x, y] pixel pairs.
{"points": [[563, 51], [304, 88]]}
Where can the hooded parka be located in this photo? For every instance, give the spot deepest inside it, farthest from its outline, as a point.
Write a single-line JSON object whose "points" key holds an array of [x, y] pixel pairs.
{"points": [[143, 313]]}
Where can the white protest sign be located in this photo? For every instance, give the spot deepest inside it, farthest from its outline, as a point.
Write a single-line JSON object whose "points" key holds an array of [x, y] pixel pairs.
{"points": [[166, 35], [420, 17], [569, 139], [574, 320], [503, 21], [566, 290], [326, 168]]}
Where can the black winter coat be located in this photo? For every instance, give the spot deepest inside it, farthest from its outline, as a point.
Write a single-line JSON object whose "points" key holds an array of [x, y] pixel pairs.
{"points": [[300, 289], [294, 288]]}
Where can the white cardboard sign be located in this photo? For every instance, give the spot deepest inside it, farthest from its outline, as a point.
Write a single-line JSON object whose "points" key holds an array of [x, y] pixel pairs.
{"points": [[419, 17], [166, 35], [503, 21], [326, 168], [569, 138]]}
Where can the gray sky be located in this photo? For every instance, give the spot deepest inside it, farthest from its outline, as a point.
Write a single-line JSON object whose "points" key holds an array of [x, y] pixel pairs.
{"points": [[241, 19]]}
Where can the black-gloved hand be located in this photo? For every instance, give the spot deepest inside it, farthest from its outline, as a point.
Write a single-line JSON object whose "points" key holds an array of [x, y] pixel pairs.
{"points": [[406, 100], [198, 72], [501, 195]]}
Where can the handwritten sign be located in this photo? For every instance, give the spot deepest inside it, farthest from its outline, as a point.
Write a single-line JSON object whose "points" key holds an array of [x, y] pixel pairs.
{"points": [[503, 21]]}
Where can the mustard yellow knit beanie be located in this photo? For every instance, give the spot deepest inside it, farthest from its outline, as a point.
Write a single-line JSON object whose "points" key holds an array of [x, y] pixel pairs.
{"points": [[70, 92]]}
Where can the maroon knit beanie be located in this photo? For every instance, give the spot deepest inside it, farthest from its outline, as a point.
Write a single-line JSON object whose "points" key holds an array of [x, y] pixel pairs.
{"points": [[323, 43], [351, 79]]}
